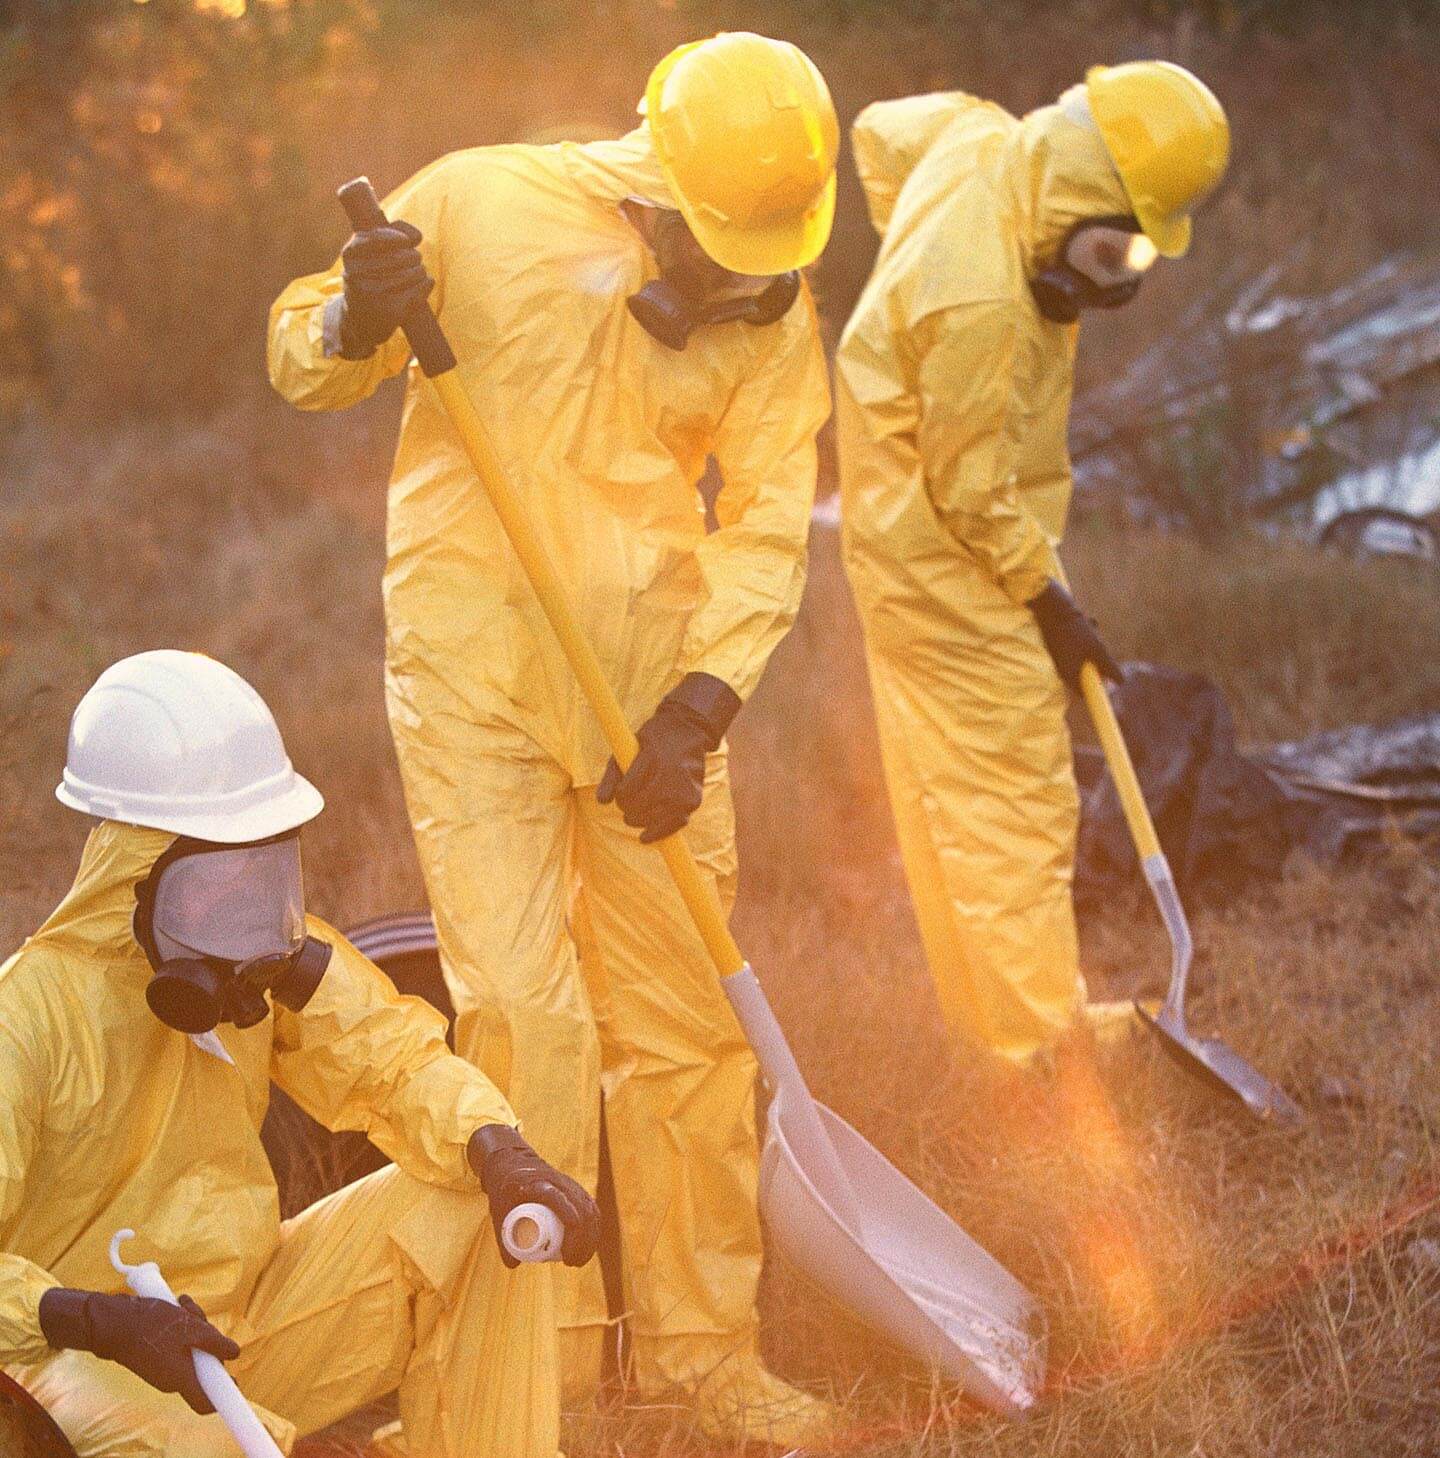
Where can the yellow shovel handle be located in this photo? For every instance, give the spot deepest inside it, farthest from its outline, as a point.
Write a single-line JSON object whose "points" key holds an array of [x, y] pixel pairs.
{"points": [[437, 360], [1122, 767], [1116, 751]]}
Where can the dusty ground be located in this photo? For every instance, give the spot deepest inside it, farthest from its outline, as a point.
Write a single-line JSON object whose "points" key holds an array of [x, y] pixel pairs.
{"points": [[1213, 1286]]}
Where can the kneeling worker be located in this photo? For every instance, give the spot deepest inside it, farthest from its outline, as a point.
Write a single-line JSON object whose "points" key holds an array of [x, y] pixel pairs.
{"points": [[139, 1030]]}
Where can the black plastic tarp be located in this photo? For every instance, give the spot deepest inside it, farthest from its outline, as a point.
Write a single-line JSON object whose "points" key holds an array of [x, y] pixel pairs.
{"points": [[1228, 818]]}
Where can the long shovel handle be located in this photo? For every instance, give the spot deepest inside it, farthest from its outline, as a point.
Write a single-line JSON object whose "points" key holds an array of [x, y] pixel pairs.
{"points": [[437, 360], [1142, 831], [1122, 767]]}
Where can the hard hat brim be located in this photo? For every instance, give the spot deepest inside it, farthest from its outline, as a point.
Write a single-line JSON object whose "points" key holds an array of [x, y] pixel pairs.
{"points": [[1171, 236], [298, 803], [777, 248]]}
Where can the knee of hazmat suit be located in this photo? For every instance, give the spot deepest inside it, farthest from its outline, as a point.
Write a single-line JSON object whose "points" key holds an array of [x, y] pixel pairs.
{"points": [[606, 432], [109, 1118], [953, 395]]}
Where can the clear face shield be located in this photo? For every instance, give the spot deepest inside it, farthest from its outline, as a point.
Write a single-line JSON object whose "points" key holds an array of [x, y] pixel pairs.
{"points": [[224, 929], [234, 904]]}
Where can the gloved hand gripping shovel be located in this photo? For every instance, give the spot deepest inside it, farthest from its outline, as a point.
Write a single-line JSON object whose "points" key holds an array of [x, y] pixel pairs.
{"points": [[840, 1211], [1219, 1065]]}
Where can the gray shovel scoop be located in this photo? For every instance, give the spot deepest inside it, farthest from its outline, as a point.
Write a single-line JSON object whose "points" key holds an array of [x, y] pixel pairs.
{"points": [[851, 1222], [1208, 1059], [1216, 1063]]}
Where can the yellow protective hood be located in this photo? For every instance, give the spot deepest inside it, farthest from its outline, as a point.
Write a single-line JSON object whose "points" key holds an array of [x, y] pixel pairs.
{"points": [[613, 170], [1061, 174], [1054, 169], [891, 137], [95, 917]]}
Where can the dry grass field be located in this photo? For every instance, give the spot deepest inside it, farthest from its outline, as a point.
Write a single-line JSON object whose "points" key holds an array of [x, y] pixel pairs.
{"points": [[1214, 1287]]}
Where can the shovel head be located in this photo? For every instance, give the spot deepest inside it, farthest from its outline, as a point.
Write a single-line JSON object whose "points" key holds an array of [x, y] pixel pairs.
{"points": [[908, 1270], [1222, 1069]]}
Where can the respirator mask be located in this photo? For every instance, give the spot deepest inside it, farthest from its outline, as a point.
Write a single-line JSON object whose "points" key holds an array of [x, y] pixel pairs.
{"points": [[1100, 266], [223, 926], [693, 291]]}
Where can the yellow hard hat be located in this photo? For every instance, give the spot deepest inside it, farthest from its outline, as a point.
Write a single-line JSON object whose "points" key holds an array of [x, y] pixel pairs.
{"points": [[747, 137], [1167, 134]]}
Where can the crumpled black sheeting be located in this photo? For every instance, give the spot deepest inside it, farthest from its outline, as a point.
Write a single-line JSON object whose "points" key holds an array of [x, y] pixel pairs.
{"points": [[1228, 819]]}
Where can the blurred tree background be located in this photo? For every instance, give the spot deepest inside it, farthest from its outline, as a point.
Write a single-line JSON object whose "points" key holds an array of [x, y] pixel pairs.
{"points": [[167, 165]]}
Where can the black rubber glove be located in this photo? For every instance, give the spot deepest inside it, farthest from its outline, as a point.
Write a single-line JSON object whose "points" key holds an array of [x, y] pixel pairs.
{"points": [[1070, 637], [513, 1174], [384, 280], [155, 1340], [663, 786]]}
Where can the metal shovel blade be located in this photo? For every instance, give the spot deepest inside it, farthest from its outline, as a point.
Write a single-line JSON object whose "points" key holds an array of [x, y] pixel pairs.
{"points": [[851, 1222], [1222, 1068], [909, 1271], [1207, 1058]]}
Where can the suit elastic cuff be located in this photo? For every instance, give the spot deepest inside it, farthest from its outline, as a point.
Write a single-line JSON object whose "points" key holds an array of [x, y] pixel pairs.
{"points": [[22, 1335]]}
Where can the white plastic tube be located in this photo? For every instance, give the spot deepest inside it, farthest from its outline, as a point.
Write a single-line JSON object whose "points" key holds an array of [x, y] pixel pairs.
{"points": [[216, 1383], [533, 1232]]}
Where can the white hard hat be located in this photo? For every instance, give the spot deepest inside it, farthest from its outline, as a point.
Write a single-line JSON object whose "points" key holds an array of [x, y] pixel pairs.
{"points": [[179, 742]]}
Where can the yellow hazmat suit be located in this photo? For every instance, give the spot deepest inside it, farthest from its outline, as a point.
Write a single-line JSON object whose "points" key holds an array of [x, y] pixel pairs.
{"points": [[109, 1119], [953, 394], [606, 433]]}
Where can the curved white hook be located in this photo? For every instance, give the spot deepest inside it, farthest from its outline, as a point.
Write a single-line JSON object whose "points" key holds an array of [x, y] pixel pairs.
{"points": [[116, 1241]]}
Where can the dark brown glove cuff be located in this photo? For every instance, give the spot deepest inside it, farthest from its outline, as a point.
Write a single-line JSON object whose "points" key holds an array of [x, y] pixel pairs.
{"points": [[351, 348], [65, 1319], [490, 1139], [706, 701]]}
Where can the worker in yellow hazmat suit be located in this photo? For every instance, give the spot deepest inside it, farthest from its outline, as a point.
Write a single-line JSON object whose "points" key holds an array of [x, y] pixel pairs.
{"points": [[621, 310], [954, 379], [140, 1028]]}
